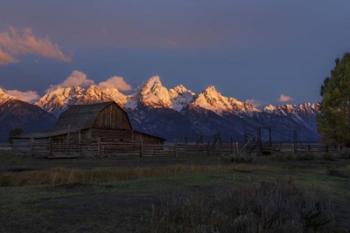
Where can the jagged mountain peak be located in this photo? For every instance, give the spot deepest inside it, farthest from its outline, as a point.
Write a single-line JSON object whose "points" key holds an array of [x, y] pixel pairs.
{"points": [[57, 98], [181, 97], [305, 108], [154, 94], [180, 89], [269, 108], [4, 96], [152, 84], [211, 99], [211, 89]]}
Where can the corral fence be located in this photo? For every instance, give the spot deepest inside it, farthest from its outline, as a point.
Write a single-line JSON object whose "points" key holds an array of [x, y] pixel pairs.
{"points": [[101, 149], [5, 147]]}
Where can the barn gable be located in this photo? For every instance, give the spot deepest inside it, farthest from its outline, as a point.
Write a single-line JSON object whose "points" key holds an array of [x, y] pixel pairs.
{"points": [[112, 117]]}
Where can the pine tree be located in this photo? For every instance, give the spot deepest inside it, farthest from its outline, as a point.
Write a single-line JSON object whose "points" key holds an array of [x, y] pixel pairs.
{"points": [[334, 117]]}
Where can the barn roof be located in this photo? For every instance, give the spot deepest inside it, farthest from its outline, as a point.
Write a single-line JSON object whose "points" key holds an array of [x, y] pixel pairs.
{"points": [[75, 118], [81, 116]]}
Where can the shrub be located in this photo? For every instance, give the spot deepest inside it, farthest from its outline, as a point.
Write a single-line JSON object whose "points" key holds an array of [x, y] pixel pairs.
{"points": [[329, 156], [267, 207], [337, 173], [305, 156], [242, 158], [345, 155]]}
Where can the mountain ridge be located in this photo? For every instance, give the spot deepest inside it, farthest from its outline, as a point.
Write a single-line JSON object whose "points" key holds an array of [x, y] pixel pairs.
{"points": [[159, 110]]}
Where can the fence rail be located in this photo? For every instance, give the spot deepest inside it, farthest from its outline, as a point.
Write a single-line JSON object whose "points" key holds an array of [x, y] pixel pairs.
{"points": [[111, 149]]}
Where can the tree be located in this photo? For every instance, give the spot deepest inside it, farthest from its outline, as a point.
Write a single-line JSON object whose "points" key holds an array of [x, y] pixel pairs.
{"points": [[15, 132], [334, 118]]}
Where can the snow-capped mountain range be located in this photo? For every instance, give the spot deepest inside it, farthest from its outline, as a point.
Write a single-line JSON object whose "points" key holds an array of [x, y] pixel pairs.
{"points": [[156, 109], [154, 94]]}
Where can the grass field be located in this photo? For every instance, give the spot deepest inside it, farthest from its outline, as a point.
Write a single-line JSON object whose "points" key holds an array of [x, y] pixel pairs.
{"points": [[128, 195]]}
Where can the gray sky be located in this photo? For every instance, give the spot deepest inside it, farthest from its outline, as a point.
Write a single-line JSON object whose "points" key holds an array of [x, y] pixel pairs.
{"points": [[249, 49]]}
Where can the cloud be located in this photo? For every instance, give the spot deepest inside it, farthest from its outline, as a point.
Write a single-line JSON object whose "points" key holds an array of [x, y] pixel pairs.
{"points": [[26, 96], [116, 82], [284, 98], [77, 78], [6, 58], [14, 43]]}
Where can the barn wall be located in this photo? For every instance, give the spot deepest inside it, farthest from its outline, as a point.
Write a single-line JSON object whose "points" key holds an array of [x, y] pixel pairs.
{"points": [[112, 117], [113, 135], [147, 139]]}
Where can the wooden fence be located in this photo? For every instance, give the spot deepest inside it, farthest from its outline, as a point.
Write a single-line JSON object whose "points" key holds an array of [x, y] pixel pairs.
{"points": [[101, 149], [5, 147]]}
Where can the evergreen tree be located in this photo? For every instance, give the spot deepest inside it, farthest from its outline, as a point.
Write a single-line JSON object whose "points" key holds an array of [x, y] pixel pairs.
{"points": [[334, 117]]}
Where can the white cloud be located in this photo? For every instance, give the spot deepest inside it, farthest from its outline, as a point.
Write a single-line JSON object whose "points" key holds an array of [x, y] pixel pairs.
{"points": [[116, 82], [77, 78], [26, 96], [13, 42], [284, 98]]}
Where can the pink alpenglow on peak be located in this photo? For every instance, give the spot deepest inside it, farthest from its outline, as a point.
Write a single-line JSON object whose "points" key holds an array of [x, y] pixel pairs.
{"points": [[154, 94], [213, 100]]}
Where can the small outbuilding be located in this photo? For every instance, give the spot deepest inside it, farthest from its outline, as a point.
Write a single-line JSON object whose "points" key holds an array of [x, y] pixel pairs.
{"points": [[82, 128]]}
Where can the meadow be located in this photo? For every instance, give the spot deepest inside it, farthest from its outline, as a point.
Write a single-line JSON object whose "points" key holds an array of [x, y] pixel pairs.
{"points": [[197, 193]]}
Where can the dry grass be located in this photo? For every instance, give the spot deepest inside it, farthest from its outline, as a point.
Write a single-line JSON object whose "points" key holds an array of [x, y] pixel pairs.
{"points": [[242, 158], [329, 156], [59, 176], [265, 208]]}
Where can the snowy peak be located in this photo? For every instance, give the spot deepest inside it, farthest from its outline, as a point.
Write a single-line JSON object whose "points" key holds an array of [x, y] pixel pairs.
{"points": [[181, 97], [4, 97], [154, 94], [211, 99], [58, 98], [269, 108], [181, 89], [304, 108]]}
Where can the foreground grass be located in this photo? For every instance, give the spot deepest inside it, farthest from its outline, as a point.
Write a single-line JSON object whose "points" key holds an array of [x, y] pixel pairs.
{"points": [[105, 196], [61, 176]]}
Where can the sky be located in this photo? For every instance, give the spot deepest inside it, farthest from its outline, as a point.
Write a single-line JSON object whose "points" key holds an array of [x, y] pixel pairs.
{"points": [[266, 51]]}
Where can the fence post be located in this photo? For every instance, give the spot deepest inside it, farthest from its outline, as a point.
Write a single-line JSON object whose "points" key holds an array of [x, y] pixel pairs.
{"points": [[237, 148], [50, 146], [308, 148], [295, 150], [31, 147], [99, 147], [326, 149], [175, 150], [141, 148], [208, 149], [259, 141]]}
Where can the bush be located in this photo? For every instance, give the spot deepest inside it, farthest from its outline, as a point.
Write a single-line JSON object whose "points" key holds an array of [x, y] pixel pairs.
{"points": [[267, 207], [329, 156], [337, 173], [305, 156], [345, 155], [242, 158]]}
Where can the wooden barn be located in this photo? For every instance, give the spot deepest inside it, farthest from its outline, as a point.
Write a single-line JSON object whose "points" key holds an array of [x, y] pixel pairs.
{"points": [[83, 127]]}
